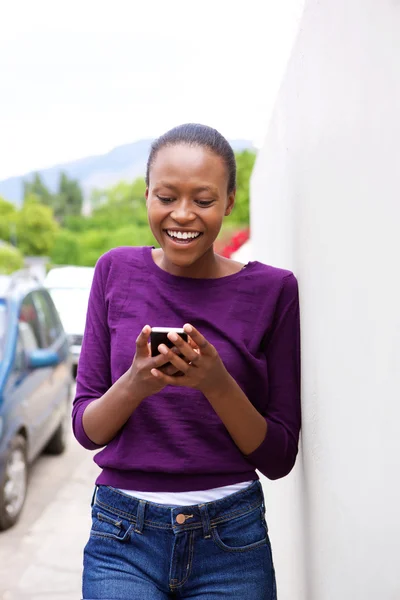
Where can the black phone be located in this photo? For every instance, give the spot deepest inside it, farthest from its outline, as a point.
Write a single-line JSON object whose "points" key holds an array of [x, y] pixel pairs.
{"points": [[159, 336]]}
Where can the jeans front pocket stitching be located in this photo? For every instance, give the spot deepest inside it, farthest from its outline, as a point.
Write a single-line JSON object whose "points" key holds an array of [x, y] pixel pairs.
{"points": [[111, 536], [106, 519], [235, 514], [116, 511], [117, 524], [226, 548]]}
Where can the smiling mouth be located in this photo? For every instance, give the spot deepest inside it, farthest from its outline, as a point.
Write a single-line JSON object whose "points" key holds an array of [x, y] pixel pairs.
{"points": [[183, 237]]}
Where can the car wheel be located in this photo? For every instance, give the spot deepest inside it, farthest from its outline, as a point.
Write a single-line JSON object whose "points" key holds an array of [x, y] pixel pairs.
{"points": [[13, 487], [58, 442]]}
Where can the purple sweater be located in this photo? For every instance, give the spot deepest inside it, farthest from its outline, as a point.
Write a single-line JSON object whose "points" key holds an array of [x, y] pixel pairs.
{"points": [[174, 441]]}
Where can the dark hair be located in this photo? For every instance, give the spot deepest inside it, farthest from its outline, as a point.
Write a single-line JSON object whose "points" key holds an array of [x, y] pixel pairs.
{"points": [[194, 134]]}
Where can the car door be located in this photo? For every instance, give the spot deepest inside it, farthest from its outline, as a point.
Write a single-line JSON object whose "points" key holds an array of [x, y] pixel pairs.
{"points": [[58, 376], [26, 387]]}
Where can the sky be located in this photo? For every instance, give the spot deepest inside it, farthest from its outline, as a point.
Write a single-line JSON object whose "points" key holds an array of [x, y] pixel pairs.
{"points": [[79, 77]]}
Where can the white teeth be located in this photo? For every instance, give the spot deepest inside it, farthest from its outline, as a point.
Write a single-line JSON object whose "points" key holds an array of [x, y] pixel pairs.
{"points": [[183, 235]]}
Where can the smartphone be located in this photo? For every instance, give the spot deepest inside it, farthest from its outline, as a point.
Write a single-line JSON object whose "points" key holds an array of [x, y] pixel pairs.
{"points": [[159, 336]]}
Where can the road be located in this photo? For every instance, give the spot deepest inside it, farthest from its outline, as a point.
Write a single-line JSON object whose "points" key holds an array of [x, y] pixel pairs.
{"points": [[41, 557]]}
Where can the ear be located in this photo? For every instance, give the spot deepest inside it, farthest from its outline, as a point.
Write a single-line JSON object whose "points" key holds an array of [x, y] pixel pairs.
{"points": [[146, 194], [230, 204]]}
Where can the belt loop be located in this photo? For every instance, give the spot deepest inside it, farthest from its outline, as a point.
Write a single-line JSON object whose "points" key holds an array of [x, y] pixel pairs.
{"points": [[94, 496], [205, 519], [140, 516]]}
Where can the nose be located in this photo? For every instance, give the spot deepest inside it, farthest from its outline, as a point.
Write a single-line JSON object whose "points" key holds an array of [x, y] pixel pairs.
{"points": [[183, 213]]}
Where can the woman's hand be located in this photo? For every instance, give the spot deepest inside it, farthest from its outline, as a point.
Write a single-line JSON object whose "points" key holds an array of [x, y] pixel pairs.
{"points": [[139, 375], [200, 366]]}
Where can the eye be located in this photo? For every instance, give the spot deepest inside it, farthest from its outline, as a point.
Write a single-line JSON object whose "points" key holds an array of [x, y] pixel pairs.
{"points": [[204, 203], [165, 199]]}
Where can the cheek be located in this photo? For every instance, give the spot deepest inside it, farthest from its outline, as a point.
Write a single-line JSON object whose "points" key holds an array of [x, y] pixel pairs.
{"points": [[154, 213]]}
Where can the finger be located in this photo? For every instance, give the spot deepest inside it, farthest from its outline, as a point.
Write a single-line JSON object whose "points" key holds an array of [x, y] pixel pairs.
{"points": [[169, 370], [168, 379], [156, 362], [142, 341], [183, 347], [199, 339], [192, 344], [177, 361]]}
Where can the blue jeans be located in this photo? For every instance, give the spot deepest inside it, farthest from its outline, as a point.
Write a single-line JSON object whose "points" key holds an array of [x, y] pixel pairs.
{"points": [[139, 550]]}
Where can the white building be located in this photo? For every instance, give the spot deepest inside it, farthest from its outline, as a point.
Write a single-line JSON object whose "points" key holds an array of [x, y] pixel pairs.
{"points": [[326, 204]]}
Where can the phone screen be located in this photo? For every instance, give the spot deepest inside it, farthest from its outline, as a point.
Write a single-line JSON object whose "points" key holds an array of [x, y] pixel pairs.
{"points": [[159, 336]]}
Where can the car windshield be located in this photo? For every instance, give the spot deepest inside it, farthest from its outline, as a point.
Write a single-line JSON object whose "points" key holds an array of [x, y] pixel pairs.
{"points": [[2, 328], [71, 304]]}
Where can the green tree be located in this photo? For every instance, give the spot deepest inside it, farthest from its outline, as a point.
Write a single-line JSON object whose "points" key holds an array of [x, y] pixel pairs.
{"points": [[66, 202], [93, 243], [120, 205], [36, 228], [132, 235], [66, 248], [241, 211], [8, 218], [69, 200], [37, 188], [11, 259]]}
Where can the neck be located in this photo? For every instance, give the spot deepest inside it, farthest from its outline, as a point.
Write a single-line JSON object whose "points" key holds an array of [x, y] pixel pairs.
{"points": [[206, 267]]}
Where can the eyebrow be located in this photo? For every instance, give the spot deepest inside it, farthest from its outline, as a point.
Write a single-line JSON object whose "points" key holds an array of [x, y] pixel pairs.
{"points": [[200, 188]]}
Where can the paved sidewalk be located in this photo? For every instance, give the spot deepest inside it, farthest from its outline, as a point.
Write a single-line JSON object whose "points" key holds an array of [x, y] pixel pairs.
{"points": [[41, 558]]}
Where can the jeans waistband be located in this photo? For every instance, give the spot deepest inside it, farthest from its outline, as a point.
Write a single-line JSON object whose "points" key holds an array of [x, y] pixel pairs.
{"points": [[148, 514]]}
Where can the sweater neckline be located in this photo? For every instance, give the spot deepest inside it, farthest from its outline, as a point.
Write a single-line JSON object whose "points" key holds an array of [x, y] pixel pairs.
{"points": [[191, 282]]}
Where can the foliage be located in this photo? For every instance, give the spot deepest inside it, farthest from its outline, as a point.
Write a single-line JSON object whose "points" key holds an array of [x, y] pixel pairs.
{"points": [[68, 200], [37, 188], [118, 218], [11, 259], [93, 243], [245, 162], [132, 235], [36, 228], [66, 249], [119, 205], [8, 217]]}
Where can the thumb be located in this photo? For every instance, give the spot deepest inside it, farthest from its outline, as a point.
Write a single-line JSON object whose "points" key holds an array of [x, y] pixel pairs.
{"points": [[142, 341]]}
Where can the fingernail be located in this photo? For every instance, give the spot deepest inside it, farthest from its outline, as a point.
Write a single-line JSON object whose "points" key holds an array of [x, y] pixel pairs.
{"points": [[145, 329], [188, 328], [163, 349], [154, 372], [173, 336]]}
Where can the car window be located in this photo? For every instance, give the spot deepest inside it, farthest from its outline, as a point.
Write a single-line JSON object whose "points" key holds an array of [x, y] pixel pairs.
{"points": [[19, 358], [29, 315], [26, 343], [49, 323], [55, 316]]}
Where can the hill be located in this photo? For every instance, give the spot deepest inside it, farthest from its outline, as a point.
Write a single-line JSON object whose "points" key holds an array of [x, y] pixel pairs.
{"points": [[126, 162]]}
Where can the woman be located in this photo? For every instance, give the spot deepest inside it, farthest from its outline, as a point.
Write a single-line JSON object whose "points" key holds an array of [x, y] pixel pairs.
{"points": [[178, 510]]}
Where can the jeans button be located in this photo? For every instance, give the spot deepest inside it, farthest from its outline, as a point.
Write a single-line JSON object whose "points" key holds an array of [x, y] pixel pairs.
{"points": [[180, 519]]}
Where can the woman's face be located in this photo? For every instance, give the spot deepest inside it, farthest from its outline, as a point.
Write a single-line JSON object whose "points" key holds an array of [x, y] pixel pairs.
{"points": [[187, 200]]}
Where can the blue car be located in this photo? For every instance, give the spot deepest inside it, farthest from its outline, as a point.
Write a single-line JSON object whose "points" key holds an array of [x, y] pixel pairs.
{"points": [[35, 386]]}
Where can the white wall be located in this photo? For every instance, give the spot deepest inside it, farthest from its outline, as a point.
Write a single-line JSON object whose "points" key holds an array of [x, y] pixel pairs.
{"points": [[326, 204]]}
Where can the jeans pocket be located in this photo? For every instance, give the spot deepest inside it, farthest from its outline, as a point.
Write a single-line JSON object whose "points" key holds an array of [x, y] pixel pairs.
{"points": [[241, 534], [110, 526]]}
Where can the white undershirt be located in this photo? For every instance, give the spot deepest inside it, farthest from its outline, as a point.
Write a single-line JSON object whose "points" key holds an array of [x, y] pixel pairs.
{"points": [[189, 498]]}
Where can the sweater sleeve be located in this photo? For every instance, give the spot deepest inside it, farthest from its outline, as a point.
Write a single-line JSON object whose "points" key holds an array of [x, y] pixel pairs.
{"points": [[94, 372], [276, 455]]}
